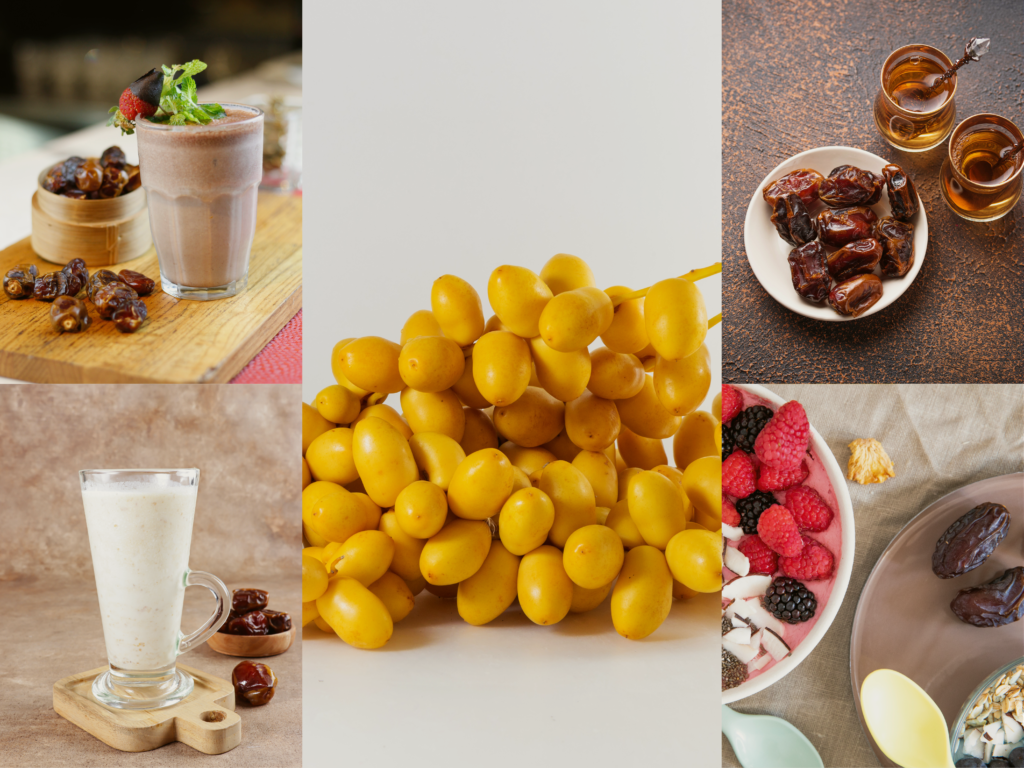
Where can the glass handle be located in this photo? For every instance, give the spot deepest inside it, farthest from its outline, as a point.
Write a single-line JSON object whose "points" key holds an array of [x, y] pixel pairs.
{"points": [[220, 614]]}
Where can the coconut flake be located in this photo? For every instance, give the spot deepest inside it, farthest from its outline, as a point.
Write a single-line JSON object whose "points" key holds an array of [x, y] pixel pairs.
{"points": [[775, 645], [739, 635], [742, 652], [736, 561], [731, 532], [746, 586], [760, 662]]}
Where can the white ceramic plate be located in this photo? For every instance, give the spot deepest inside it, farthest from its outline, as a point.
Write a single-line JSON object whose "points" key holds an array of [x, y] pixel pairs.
{"points": [[843, 570], [767, 252]]}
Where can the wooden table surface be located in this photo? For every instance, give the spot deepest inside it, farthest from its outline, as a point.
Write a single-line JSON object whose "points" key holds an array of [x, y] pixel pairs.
{"points": [[804, 74]]}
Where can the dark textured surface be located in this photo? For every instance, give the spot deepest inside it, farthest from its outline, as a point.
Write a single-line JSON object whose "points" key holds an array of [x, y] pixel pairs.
{"points": [[804, 74]]}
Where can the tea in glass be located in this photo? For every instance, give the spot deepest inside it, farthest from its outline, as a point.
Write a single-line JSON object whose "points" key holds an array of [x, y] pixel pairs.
{"points": [[981, 176]]}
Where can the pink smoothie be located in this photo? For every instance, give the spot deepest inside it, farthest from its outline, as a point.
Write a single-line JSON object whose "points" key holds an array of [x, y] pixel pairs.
{"points": [[831, 538], [201, 182]]}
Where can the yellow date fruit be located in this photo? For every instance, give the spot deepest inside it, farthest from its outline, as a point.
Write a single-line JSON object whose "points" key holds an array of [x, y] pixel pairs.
{"points": [[479, 433], [593, 556], [628, 331], [614, 375], [480, 485], [642, 597], [331, 513], [487, 593], [526, 519], [534, 419], [434, 412], [330, 457], [365, 557], [682, 385], [406, 562], [564, 272], [646, 416], [573, 319], [372, 364], [384, 460], [456, 552], [338, 404], [592, 422], [600, 473], [437, 456], [385, 413], [695, 558], [676, 318], [656, 506], [563, 375], [355, 614], [584, 600], [466, 387], [543, 586], [314, 578], [702, 483], [457, 309], [421, 509], [420, 323], [313, 425], [620, 521], [501, 367], [640, 452], [391, 590], [573, 499], [518, 296], [695, 439], [430, 363]]}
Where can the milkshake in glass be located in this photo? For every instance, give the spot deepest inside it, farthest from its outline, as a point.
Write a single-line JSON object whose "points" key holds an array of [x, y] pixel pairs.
{"points": [[140, 532], [201, 183]]}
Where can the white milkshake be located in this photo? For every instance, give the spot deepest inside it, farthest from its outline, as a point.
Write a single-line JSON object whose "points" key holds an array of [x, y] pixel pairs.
{"points": [[140, 536]]}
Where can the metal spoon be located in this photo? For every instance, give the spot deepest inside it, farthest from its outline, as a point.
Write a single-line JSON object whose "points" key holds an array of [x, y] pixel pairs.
{"points": [[763, 741], [904, 721]]}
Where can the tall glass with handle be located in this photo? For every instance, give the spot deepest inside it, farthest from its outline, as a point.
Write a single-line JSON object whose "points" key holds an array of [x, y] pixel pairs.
{"points": [[140, 533]]}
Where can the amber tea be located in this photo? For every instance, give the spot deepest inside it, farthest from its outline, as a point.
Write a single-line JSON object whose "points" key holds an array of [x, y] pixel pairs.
{"points": [[981, 177], [915, 109], [914, 82], [983, 154]]}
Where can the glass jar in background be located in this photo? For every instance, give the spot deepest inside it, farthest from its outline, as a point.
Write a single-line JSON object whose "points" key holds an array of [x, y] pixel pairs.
{"points": [[909, 114], [282, 142], [980, 182]]}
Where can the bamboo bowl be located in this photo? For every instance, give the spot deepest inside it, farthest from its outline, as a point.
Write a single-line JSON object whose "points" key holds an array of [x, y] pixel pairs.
{"points": [[100, 232], [253, 646]]}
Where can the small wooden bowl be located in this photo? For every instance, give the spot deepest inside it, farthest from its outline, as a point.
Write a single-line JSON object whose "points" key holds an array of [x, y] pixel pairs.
{"points": [[252, 646], [101, 232]]}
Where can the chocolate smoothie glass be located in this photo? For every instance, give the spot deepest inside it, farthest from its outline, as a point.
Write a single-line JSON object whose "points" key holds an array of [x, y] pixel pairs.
{"points": [[201, 183]]}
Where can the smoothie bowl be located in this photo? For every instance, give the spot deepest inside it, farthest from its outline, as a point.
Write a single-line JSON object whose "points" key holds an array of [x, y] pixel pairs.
{"points": [[777, 607]]}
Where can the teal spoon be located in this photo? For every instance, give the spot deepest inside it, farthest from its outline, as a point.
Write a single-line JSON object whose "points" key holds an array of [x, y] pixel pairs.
{"points": [[763, 741]]}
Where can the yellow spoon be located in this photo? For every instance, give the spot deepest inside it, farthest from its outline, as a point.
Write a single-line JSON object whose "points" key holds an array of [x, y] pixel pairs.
{"points": [[904, 721]]}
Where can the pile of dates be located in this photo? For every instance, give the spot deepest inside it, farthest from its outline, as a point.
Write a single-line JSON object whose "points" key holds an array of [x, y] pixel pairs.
{"points": [[846, 242], [94, 178], [250, 616], [964, 546], [115, 296]]}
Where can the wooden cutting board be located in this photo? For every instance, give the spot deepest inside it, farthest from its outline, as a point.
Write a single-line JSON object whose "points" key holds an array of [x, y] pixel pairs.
{"points": [[206, 720], [183, 341]]}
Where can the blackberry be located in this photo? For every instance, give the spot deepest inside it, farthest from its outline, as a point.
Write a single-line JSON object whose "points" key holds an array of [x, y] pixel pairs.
{"points": [[969, 762], [750, 509], [734, 671], [789, 600], [748, 425], [728, 442], [1017, 757]]}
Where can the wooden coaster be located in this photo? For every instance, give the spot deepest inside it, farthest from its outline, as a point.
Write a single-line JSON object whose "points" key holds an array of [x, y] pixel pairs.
{"points": [[206, 720]]}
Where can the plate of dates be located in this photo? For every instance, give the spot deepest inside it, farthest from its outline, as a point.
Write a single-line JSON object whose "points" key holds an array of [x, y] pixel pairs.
{"points": [[945, 601], [836, 233]]}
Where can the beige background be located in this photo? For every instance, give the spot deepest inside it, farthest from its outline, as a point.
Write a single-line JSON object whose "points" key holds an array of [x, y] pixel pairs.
{"points": [[244, 439], [940, 438]]}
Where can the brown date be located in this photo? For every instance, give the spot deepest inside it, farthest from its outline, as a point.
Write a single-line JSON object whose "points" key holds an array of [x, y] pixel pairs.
{"points": [[134, 178], [143, 285], [100, 278], [994, 603], [76, 194], [792, 221], [49, 286], [808, 269], [901, 192], [252, 623], [89, 176], [129, 319], [113, 156], [803, 183], [897, 239], [848, 185], [246, 600], [20, 280], [111, 298], [856, 295], [277, 621], [837, 227], [78, 276], [969, 541], [69, 315], [254, 682], [114, 180], [71, 165], [857, 258]]}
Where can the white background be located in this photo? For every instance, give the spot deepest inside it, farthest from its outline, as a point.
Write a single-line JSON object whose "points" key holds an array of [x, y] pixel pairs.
{"points": [[453, 137]]}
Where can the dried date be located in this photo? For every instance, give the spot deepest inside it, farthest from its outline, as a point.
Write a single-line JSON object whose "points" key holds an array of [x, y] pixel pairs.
{"points": [[856, 295], [246, 600], [113, 157], [49, 286], [143, 285], [792, 221], [803, 183], [902, 194], [838, 227], [56, 179], [857, 258], [113, 297], [252, 623], [134, 178], [277, 621], [89, 176], [100, 278], [254, 682], [994, 603], [78, 276], [69, 315], [848, 185], [969, 541], [897, 239], [129, 319], [20, 280], [807, 266], [114, 180]]}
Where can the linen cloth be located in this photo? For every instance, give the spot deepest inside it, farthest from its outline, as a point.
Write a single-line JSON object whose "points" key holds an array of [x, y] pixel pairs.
{"points": [[940, 437]]}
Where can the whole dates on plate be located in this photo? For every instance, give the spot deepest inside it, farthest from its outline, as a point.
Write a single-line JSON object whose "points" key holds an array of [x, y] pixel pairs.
{"points": [[808, 268], [792, 220], [840, 226], [857, 258], [902, 194], [995, 603], [803, 183], [848, 185], [856, 295], [897, 239], [969, 541]]}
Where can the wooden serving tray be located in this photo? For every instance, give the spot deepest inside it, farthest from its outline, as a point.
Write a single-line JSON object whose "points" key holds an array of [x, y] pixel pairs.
{"points": [[183, 341], [206, 720]]}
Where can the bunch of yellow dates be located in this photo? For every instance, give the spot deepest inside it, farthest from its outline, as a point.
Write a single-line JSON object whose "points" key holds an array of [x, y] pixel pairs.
{"points": [[522, 464]]}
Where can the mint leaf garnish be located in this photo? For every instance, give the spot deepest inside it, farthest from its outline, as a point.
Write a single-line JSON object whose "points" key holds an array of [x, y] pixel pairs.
{"points": [[179, 103]]}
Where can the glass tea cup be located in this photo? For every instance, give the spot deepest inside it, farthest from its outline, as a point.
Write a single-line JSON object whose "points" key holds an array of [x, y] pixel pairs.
{"points": [[978, 181], [140, 532], [907, 113]]}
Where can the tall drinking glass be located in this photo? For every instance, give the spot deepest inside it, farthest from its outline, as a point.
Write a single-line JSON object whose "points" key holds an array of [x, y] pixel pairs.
{"points": [[201, 183], [140, 532]]}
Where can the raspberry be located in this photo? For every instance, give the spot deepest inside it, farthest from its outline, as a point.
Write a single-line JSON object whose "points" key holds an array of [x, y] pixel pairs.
{"points": [[762, 558], [748, 425], [738, 477], [750, 509], [813, 563], [778, 530], [729, 514], [808, 509], [732, 402], [132, 106], [771, 479], [783, 441]]}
